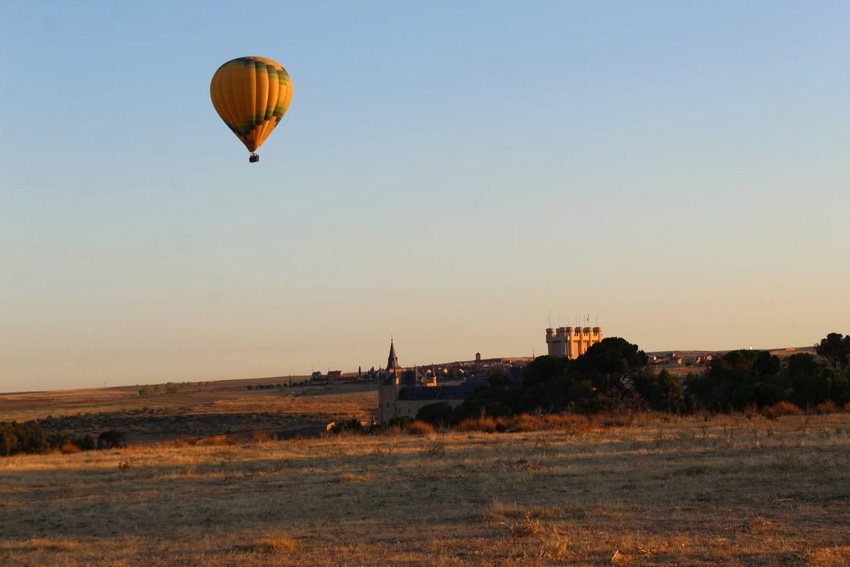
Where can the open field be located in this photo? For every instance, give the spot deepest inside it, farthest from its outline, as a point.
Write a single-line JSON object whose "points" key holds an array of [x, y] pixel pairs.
{"points": [[217, 408], [730, 490]]}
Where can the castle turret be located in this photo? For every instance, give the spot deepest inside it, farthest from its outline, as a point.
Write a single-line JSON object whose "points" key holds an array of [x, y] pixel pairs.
{"points": [[572, 342]]}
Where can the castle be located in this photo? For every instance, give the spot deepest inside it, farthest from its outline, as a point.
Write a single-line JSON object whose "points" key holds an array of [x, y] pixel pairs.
{"points": [[572, 342], [404, 391]]}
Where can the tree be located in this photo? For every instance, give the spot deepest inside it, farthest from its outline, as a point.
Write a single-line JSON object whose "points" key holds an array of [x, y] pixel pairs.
{"points": [[610, 365], [544, 369], [22, 438], [545, 384], [111, 439], [8, 439], [835, 348], [495, 399], [439, 414], [740, 378], [499, 380], [662, 390]]}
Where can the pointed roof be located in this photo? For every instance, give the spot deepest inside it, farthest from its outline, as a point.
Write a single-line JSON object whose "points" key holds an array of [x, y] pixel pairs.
{"points": [[392, 361]]}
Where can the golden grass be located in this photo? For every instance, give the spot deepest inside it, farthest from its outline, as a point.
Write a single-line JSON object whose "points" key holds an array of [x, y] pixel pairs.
{"points": [[730, 490], [217, 416]]}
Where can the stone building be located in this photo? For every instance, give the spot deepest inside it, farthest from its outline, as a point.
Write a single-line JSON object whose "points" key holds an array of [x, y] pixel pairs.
{"points": [[404, 391], [572, 342]]}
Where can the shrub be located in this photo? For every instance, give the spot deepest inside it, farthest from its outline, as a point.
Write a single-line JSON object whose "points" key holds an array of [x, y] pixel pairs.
{"points": [[68, 449], [526, 422], [781, 408], [258, 436], [111, 439], [827, 407], [217, 440], [419, 428], [485, 424], [87, 443], [439, 414], [566, 422], [351, 426], [150, 390]]}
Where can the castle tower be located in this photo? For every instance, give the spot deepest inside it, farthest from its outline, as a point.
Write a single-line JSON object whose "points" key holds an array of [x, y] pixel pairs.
{"points": [[572, 342]]}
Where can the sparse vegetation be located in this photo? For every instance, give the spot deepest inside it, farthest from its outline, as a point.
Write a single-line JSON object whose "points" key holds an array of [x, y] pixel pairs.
{"points": [[656, 489]]}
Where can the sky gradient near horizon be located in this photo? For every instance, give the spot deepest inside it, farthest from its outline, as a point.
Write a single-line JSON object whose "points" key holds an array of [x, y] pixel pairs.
{"points": [[448, 174]]}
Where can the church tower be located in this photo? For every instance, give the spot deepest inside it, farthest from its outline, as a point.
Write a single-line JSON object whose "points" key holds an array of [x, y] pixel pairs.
{"points": [[393, 369], [389, 389]]}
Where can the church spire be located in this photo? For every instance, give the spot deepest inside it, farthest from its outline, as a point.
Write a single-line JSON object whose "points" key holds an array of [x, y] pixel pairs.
{"points": [[392, 361]]}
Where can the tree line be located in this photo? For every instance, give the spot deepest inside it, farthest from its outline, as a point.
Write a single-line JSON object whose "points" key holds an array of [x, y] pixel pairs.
{"points": [[30, 438], [615, 374]]}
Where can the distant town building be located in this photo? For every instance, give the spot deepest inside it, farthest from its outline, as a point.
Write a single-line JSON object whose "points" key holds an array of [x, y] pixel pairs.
{"points": [[396, 380], [404, 391], [572, 342]]}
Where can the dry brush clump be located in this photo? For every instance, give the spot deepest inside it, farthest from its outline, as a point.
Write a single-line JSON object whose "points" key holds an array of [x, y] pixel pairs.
{"points": [[417, 427], [781, 409]]}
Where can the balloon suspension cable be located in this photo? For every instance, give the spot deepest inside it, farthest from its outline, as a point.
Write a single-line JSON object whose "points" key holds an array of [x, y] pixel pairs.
{"points": [[254, 158]]}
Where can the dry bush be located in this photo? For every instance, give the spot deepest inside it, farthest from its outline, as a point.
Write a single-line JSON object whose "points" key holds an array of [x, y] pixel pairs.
{"points": [[258, 436], [780, 409], [614, 419], [69, 449], [392, 431], [484, 424], [751, 411], [529, 527], [827, 407], [436, 450], [555, 546], [470, 424], [419, 428], [568, 422], [217, 440], [526, 422]]}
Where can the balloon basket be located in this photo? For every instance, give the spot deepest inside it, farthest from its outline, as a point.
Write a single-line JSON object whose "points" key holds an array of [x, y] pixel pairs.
{"points": [[254, 158]]}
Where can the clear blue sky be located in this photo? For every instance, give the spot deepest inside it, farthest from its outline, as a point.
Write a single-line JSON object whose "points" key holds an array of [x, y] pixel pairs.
{"points": [[447, 174]]}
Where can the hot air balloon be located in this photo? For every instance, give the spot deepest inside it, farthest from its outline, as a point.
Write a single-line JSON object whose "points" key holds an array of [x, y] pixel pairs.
{"points": [[251, 94]]}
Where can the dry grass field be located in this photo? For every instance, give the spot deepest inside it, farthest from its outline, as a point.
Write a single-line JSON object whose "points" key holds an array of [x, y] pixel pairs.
{"points": [[723, 490], [218, 408]]}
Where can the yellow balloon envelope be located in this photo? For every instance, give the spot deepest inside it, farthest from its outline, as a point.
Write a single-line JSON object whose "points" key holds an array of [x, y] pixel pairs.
{"points": [[251, 94]]}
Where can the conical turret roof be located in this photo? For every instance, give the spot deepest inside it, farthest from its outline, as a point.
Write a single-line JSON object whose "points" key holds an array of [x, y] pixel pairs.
{"points": [[392, 360]]}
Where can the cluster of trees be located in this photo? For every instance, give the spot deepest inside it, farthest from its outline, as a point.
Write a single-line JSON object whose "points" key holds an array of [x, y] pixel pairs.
{"points": [[744, 378], [30, 438], [612, 373], [157, 390], [615, 374]]}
